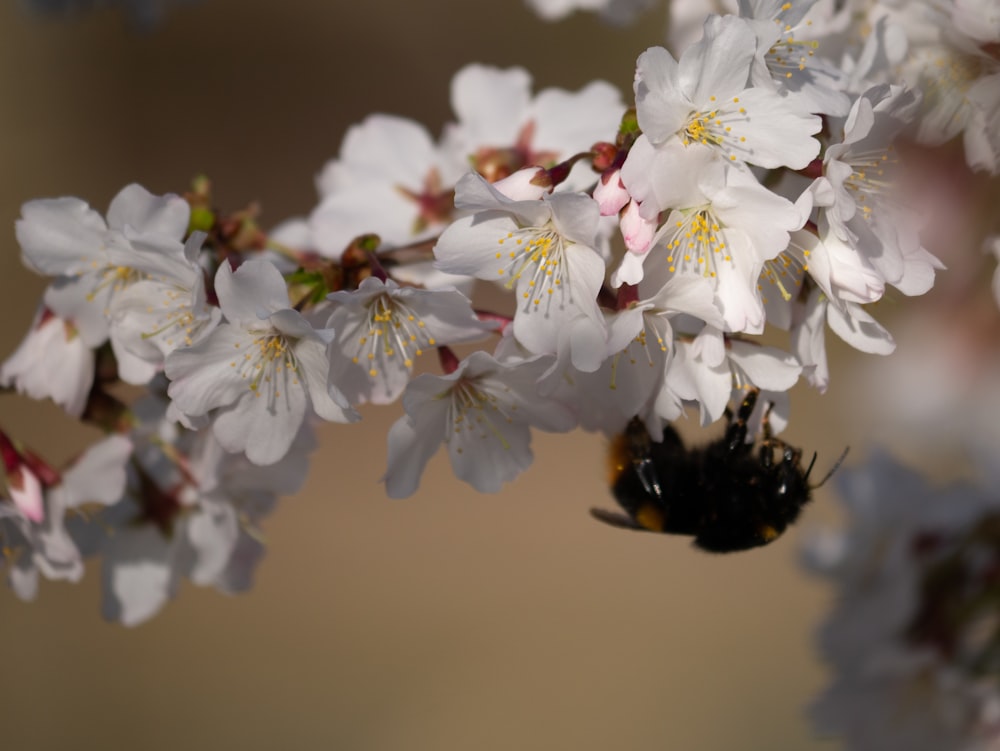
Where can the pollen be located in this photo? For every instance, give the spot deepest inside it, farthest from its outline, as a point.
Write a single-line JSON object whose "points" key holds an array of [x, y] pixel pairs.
{"points": [[703, 238], [478, 414], [394, 333], [538, 267]]}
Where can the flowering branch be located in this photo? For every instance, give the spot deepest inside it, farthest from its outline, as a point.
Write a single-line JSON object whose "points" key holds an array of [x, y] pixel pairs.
{"points": [[642, 249]]}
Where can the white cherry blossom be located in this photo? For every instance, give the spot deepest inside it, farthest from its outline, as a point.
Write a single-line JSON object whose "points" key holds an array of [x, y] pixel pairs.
{"points": [[613, 11], [686, 20], [871, 228], [960, 79], [52, 362], [978, 19], [704, 98], [847, 320], [390, 179], [723, 224], [190, 511], [543, 249], [641, 344], [786, 57], [501, 127], [261, 371], [483, 412], [164, 311], [707, 369], [382, 328], [141, 238]]}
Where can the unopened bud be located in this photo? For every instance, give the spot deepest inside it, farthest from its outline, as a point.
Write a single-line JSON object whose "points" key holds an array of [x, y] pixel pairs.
{"points": [[528, 184], [604, 155], [637, 232], [610, 194]]}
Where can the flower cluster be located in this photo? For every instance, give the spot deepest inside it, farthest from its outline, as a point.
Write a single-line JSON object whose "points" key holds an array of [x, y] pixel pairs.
{"points": [[642, 253], [914, 637]]}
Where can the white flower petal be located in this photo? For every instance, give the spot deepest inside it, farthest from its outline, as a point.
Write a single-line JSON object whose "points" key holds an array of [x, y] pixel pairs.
{"points": [[60, 236], [413, 440], [255, 288], [207, 375], [136, 207], [263, 423]]}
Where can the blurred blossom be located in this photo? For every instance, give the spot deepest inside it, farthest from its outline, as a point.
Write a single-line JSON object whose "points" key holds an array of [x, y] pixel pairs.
{"points": [[959, 75], [993, 247], [391, 178], [53, 361], [144, 13], [40, 543], [190, 510], [613, 11], [501, 126], [914, 636]]}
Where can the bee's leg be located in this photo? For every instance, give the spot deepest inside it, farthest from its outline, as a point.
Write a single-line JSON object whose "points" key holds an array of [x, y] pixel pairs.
{"points": [[736, 433], [765, 423], [769, 442], [791, 481], [640, 454]]}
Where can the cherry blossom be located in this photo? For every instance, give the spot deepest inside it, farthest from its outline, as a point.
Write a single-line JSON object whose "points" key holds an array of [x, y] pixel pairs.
{"points": [[545, 250], [167, 310], [52, 362], [187, 512], [483, 412], [722, 225], [97, 260], [42, 544], [390, 178], [960, 78], [382, 328], [704, 99], [501, 127], [260, 371], [706, 370], [615, 11], [641, 345], [786, 57]]}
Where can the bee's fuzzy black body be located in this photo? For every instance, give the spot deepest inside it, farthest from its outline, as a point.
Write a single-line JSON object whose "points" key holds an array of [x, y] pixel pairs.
{"points": [[729, 494]]}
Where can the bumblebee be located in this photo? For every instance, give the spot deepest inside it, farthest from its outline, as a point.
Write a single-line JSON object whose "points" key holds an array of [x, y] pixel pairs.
{"points": [[725, 494]]}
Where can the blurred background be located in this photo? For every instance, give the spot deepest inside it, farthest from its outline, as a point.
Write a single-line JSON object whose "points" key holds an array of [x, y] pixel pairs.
{"points": [[449, 620]]}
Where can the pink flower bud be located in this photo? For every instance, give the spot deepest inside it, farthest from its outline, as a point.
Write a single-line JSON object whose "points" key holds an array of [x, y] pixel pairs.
{"points": [[638, 232], [26, 492], [610, 194]]}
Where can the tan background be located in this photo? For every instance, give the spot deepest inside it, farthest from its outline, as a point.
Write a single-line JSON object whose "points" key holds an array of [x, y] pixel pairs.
{"points": [[446, 621]]}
